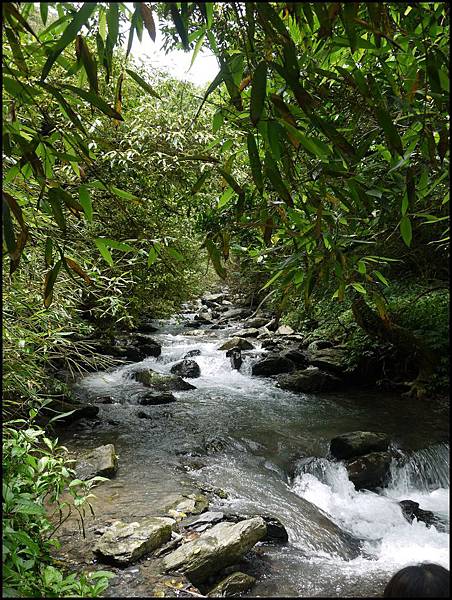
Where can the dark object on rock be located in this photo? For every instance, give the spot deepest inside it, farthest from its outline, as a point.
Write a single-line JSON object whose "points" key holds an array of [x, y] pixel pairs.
{"points": [[154, 398], [311, 379], [143, 415], [195, 352], [276, 532], [186, 368], [298, 357], [237, 342], [270, 345], [369, 471], [358, 443], [272, 365], [160, 382], [319, 345], [411, 510], [235, 355], [104, 400], [427, 580], [202, 522], [232, 585]]}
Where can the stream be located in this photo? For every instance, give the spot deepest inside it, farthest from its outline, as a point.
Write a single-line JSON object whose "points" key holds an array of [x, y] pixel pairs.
{"points": [[267, 448]]}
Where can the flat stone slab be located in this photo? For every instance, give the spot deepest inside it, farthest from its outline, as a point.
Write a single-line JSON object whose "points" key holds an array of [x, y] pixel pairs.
{"points": [[124, 543], [219, 547], [101, 461]]}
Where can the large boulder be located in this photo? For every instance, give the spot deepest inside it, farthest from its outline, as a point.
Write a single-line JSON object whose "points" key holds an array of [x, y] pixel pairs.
{"points": [[232, 585], [357, 443], [298, 357], [219, 547], [154, 398], [124, 543], [186, 368], [311, 379], [369, 471], [329, 359], [272, 365], [236, 342], [101, 461], [160, 382]]}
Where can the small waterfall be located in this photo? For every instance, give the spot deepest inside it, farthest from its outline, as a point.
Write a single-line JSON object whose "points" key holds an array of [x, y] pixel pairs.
{"points": [[426, 470]]}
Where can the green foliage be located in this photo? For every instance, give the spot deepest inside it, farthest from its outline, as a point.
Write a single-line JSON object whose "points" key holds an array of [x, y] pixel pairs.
{"points": [[35, 475]]}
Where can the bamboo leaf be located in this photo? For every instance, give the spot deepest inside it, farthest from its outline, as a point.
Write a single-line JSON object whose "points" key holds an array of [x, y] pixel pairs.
{"points": [[94, 99], [8, 228], [275, 178], [78, 269], [232, 182], [102, 247], [199, 183], [85, 201], [148, 20], [152, 256], [215, 257], [389, 129], [255, 162], [405, 230], [258, 92], [55, 201], [69, 35], [143, 84], [225, 197], [44, 10], [48, 254], [89, 64], [49, 283], [180, 26]]}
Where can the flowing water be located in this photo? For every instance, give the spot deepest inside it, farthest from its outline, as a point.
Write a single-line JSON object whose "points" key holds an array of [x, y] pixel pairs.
{"points": [[267, 448]]}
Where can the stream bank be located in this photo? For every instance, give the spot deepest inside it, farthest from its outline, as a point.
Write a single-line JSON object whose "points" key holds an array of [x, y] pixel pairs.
{"points": [[253, 448]]}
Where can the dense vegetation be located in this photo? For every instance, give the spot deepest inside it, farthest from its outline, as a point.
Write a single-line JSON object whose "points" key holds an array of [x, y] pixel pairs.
{"points": [[312, 173]]}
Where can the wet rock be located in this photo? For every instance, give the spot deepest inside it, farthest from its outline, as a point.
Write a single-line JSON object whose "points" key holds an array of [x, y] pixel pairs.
{"points": [[236, 313], [147, 345], [193, 324], [285, 330], [124, 543], [257, 322], [369, 471], [272, 365], [329, 359], [147, 327], [358, 443], [235, 356], [319, 345], [203, 522], [276, 532], [219, 547], [186, 368], [271, 345], [298, 357], [143, 415], [411, 511], [154, 398], [195, 352], [232, 585], [104, 400], [100, 461], [161, 383], [246, 333], [212, 300], [190, 504], [236, 342], [311, 379]]}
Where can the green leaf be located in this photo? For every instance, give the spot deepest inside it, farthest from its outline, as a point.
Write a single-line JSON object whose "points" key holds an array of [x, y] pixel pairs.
{"points": [[117, 245], [255, 162], [49, 282], [258, 92], [142, 83], [381, 277], [65, 105], [389, 129], [94, 99], [217, 121], [113, 23], [359, 288], [55, 198], [102, 247], [8, 228], [274, 139], [44, 10], [198, 47], [48, 252], [225, 197], [123, 193], [405, 230], [85, 201], [272, 280], [313, 145], [219, 77], [199, 183], [89, 64], [69, 34], [215, 257], [180, 26], [232, 182], [174, 254], [152, 256], [272, 172]]}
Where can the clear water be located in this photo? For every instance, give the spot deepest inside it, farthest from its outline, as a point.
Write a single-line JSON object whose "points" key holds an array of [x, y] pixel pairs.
{"points": [[267, 448]]}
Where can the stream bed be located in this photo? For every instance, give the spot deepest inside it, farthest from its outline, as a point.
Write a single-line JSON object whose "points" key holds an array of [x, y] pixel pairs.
{"points": [[267, 448]]}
